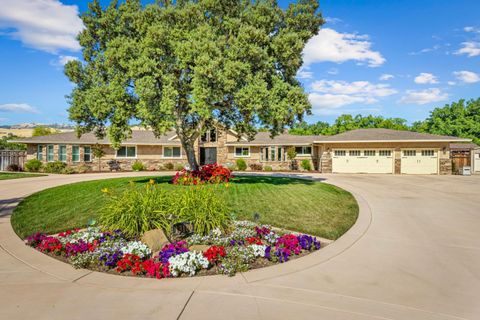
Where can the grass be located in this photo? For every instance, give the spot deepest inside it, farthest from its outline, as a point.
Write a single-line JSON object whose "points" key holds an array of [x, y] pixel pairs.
{"points": [[294, 204], [16, 175]]}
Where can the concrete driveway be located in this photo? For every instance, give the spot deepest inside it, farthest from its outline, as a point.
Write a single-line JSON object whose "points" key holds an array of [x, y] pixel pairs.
{"points": [[414, 253]]}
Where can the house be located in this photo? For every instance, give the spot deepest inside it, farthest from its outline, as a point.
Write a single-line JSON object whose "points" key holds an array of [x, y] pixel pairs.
{"points": [[465, 154], [356, 151]]}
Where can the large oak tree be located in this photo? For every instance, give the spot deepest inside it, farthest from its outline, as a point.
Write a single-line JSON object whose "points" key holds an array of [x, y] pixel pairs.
{"points": [[189, 64]]}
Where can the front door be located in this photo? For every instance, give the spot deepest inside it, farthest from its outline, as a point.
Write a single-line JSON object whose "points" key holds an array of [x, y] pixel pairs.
{"points": [[208, 155]]}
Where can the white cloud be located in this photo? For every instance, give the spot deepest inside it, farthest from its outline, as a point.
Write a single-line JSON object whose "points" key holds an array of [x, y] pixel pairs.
{"points": [[304, 73], [471, 29], [425, 78], [451, 83], [62, 60], [332, 20], [467, 76], [423, 96], [386, 77], [330, 45], [17, 108], [47, 25], [470, 48], [330, 94], [425, 50]]}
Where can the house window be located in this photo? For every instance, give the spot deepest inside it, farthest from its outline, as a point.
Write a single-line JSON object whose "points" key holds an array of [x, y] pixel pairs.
{"points": [[369, 153], [75, 153], [209, 136], [87, 154], [62, 153], [409, 153], [340, 153], [385, 153], [354, 153], [40, 152], [242, 152], [428, 153], [127, 152], [268, 154], [171, 152], [304, 150], [50, 153]]}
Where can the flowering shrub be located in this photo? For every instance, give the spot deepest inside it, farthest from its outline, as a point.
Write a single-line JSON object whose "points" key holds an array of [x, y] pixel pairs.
{"points": [[187, 262], [210, 173], [35, 239], [214, 253], [154, 269], [286, 246], [50, 245], [74, 248], [308, 242], [130, 262]]}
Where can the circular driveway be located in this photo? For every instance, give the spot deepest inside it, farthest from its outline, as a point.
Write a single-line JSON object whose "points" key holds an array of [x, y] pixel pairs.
{"points": [[414, 253]]}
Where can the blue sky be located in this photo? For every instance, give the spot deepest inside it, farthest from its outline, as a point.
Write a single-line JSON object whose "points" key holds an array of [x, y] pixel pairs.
{"points": [[389, 58]]}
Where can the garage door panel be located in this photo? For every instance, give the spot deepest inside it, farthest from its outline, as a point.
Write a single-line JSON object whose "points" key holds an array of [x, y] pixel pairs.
{"points": [[362, 161], [419, 161]]}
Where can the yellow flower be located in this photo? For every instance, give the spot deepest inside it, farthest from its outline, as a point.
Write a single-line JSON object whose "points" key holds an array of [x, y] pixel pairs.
{"points": [[151, 181], [105, 190], [227, 185]]}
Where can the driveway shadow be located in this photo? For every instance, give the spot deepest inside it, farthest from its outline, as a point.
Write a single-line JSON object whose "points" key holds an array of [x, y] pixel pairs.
{"points": [[7, 205]]}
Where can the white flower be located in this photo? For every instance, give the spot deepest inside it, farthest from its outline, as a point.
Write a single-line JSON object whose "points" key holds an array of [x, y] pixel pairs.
{"points": [[137, 248], [187, 262], [258, 250]]}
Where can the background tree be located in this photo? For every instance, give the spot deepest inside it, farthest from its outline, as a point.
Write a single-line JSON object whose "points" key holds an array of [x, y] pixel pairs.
{"points": [[43, 131], [188, 64], [6, 145], [459, 119], [98, 153]]}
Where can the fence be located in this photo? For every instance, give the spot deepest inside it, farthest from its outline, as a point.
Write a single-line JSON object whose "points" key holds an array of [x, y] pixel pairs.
{"points": [[9, 157]]}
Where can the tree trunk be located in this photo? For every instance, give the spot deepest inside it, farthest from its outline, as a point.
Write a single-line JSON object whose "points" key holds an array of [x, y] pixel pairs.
{"points": [[191, 155]]}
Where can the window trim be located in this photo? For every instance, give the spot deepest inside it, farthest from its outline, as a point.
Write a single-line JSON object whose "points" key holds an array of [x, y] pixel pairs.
{"points": [[53, 152], [77, 146], [424, 151], [355, 151], [171, 157], [89, 154], [40, 153], [340, 155], [384, 155], [241, 156], [126, 153], [60, 155], [303, 154], [413, 153], [366, 153]]}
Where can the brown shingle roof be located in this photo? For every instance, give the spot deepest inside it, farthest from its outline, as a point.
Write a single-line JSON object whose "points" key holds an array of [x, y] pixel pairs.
{"points": [[142, 137], [263, 138], [361, 135], [464, 146]]}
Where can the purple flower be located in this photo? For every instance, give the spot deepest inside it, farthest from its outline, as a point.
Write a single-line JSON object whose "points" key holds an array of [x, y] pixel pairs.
{"points": [[110, 259], [35, 239], [268, 252], [75, 248], [172, 249], [234, 242], [308, 242]]}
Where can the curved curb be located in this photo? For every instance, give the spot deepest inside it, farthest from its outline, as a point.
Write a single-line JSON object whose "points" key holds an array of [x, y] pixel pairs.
{"points": [[14, 246]]}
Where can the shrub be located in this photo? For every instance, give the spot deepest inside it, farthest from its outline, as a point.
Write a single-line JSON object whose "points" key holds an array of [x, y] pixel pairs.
{"points": [[268, 168], [203, 206], [136, 210], [210, 173], [179, 167], [14, 167], [54, 167], [83, 168], [68, 170], [168, 166], [138, 166], [291, 153], [33, 165], [241, 165], [305, 164], [256, 166]]}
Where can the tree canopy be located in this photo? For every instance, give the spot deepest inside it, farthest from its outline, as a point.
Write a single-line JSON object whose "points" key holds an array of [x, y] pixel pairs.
{"points": [[348, 122], [188, 64], [43, 131], [460, 119]]}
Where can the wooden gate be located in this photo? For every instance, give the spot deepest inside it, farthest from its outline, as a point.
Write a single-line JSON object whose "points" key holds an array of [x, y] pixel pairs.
{"points": [[460, 159], [12, 157]]}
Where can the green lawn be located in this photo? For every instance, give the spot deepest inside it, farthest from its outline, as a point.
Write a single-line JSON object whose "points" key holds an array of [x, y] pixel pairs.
{"points": [[17, 175], [294, 204]]}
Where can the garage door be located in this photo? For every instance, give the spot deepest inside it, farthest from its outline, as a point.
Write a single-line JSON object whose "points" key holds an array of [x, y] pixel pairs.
{"points": [[419, 161], [362, 161]]}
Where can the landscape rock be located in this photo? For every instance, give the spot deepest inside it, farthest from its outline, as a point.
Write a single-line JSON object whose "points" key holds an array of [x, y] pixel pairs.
{"points": [[198, 247], [155, 239]]}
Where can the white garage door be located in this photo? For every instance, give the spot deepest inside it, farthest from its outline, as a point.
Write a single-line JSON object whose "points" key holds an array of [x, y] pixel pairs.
{"points": [[362, 161], [419, 161]]}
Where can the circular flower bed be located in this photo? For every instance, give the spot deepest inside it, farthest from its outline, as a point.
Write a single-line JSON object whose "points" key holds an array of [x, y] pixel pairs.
{"points": [[246, 246]]}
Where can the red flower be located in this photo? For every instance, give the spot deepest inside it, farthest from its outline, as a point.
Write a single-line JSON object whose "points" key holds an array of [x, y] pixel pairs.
{"points": [[214, 253], [253, 240]]}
